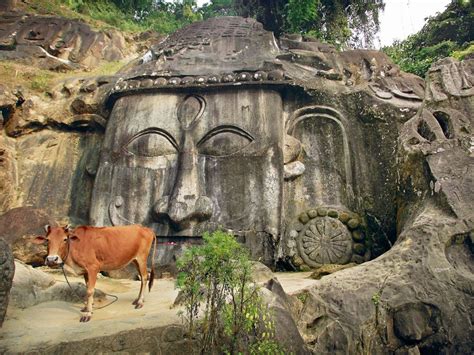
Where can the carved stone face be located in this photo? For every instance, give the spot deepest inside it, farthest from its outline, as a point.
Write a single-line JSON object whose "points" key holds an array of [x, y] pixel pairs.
{"points": [[186, 163]]}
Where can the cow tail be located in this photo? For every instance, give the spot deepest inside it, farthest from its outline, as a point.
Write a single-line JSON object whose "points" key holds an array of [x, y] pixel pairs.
{"points": [[152, 273]]}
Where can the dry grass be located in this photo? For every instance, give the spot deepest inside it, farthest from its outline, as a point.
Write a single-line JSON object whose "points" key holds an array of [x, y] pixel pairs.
{"points": [[40, 81]]}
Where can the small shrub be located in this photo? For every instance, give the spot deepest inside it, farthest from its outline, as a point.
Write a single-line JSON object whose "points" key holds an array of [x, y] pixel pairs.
{"points": [[215, 279]]}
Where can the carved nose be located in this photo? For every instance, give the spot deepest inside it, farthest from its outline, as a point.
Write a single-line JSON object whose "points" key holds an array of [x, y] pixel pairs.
{"points": [[187, 204], [182, 212]]}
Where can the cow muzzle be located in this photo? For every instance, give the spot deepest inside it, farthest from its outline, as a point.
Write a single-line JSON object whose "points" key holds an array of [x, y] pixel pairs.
{"points": [[53, 260]]}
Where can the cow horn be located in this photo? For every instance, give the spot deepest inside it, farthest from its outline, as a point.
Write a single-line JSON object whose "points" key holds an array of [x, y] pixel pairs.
{"points": [[47, 228], [67, 228]]}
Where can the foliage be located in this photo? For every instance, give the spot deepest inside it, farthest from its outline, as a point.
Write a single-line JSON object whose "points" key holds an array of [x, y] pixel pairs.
{"points": [[449, 33], [300, 14], [217, 8], [125, 15], [341, 22], [453, 24], [418, 60], [215, 278], [463, 53]]}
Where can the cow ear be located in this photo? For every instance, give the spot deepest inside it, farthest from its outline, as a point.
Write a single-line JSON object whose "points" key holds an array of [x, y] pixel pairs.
{"points": [[40, 240], [74, 237], [47, 228]]}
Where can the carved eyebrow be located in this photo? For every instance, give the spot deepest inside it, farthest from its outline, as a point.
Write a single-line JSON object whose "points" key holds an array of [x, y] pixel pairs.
{"points": [[155, 130], [224, 129]]}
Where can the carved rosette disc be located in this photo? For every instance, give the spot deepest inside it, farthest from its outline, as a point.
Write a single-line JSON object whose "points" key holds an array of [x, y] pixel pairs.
{"points": [[325, 240]]}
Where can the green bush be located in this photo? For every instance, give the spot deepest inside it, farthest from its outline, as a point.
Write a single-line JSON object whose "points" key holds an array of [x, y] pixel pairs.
{"points": [[463, 53], [215, 279]]}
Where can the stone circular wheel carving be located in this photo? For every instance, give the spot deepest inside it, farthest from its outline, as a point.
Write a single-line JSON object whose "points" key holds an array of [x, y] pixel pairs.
{"points": [[325, 240]]}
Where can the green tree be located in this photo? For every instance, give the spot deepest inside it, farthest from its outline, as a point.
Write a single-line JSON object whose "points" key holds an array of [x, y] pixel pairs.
{"points": [[342, 22], [449, 33]]}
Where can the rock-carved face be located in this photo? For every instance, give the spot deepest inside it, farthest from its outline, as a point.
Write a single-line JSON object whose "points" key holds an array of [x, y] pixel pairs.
{"points": [[186, 163]]}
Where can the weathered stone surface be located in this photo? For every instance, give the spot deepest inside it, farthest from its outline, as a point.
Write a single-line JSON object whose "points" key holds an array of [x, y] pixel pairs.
{"points": [[57, 172], [328, 269], [32, 286], [8, 173], [260, 272], [57, 43], [19, 226], [7, 104], [413, 298], [7, 270], [414, 322], [286, 332]]}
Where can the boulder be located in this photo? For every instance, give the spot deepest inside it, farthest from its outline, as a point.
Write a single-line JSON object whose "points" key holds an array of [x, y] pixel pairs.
{"points": [[286, 330], [32, 286], [19, 226], [28, 284], [260, 272]]}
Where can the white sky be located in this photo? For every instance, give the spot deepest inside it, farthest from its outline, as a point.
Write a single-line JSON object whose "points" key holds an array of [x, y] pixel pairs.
{"points": [[401, 17]]}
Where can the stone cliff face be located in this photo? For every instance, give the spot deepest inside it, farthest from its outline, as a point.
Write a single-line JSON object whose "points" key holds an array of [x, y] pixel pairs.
{"points": [[309, 156], [416, 296]]}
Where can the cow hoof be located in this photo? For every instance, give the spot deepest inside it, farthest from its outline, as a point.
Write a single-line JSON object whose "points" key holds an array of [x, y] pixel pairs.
{"points": [[135, 302], [86, 317], [138, 305]]}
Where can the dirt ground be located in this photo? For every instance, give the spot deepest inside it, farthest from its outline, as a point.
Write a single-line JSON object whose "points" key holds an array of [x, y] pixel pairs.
{"points": [[49, 323]]}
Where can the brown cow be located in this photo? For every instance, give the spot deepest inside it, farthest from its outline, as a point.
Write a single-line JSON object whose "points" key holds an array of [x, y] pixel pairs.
{"points": [[89, 250]]}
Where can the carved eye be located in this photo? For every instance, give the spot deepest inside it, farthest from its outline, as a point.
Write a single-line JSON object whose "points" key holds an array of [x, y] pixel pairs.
{"points": [[152, 142], [224, 140]]}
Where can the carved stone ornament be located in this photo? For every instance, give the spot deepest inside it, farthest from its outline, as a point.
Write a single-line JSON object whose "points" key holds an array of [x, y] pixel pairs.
{"points": [[325, 240]]}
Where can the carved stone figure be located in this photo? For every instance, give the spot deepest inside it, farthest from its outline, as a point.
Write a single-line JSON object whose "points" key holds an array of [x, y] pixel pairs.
{"points": [[216, 127]]}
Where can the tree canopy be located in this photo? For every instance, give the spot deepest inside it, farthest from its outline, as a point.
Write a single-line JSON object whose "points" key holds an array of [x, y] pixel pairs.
{"points": [[449, 33], [341, 22]]}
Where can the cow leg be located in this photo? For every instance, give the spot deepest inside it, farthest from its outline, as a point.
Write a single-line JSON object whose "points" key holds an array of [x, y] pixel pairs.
{"points": [[141, 266], [86, 280], [91, 280]]}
